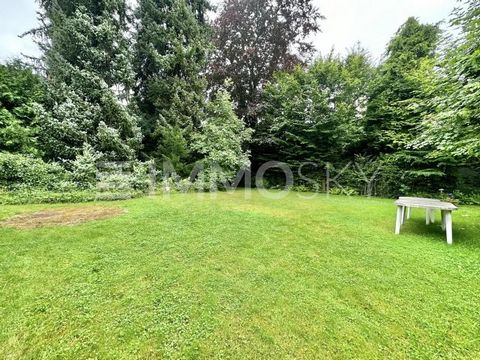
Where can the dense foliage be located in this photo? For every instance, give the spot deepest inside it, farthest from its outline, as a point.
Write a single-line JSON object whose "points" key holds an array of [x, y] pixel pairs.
{"points": [[452, 130], [392, 115], [255, 38], [220, 142], [169, 61], [20, 90], [315, 115], [89, 74], [157, 82], [396, 107]]}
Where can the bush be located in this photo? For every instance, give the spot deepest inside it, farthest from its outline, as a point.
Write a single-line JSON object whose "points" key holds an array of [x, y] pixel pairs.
{"points": [[343, 191], [184, 185], [466, 199], [176, 184], [21, 171], [211, 180], [141, 176], [28, 180], [301, 188], [124, 176], [37, 196], [84, 168], [44, 197]]}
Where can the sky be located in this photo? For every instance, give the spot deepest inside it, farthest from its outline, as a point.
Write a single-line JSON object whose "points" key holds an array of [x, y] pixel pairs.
{"points": [[370, 22]]}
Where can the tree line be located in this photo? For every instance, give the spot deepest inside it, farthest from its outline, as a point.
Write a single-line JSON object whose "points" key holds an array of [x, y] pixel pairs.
{"points": [[160, 81]]}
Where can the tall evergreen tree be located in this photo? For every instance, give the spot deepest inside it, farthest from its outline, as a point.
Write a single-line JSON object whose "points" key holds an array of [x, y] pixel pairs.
{"points": [[170, 58], [87, 65]]}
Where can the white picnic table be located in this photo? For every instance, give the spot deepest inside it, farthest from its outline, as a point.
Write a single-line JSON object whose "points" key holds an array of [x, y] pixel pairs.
{"points": [[404, 205]]}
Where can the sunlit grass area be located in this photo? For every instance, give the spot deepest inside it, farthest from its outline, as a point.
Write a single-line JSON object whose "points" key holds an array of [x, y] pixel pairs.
{"points": [[224, 276]]}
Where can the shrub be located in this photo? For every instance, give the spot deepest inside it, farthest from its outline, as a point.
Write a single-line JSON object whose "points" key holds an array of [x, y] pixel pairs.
{"points": [[22, 171], [26, 180], [124, 176], [466, 199], [35, 196], [301, 188], [84, 168], [141, 176], [343, 191]]}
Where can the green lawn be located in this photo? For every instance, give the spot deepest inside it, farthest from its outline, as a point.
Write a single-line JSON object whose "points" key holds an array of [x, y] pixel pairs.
{"points": [[228, 277]]}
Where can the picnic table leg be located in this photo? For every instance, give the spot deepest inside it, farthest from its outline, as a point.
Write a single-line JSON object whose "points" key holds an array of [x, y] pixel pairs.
{"points": [[398, 224], [448, 226], [409, 210], [430, 216], [443, 220]]}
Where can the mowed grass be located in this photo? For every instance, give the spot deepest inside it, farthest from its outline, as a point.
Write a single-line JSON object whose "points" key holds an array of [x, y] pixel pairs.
{"points": [[189, 276]]}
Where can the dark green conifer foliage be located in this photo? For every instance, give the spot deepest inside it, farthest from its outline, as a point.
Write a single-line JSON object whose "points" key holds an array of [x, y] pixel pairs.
{"points": [[170, 58], [87, 63], [20, 89]]}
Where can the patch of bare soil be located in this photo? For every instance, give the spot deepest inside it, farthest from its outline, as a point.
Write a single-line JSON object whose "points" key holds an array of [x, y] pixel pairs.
{"points": [[65, 216]]}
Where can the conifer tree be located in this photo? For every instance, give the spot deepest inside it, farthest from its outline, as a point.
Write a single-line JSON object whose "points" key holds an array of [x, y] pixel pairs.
{"points": [[20, 89], [88, 69], [170, 59]]}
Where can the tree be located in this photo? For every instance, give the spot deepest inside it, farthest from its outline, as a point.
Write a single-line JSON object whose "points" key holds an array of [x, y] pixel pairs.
{"points": [[396, 106], [87, 65], [255, 38], [451, 131], [20, 89], [170, 58], [314, 115], [221, 140], [174, 149], [391, 115]]}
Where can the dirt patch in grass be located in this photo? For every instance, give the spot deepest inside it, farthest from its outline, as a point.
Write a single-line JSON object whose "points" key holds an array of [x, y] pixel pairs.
{"points": [[64, 216]]}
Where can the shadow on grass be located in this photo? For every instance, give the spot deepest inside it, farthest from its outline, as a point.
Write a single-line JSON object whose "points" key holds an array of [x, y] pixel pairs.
{"points": [[463, 234]]}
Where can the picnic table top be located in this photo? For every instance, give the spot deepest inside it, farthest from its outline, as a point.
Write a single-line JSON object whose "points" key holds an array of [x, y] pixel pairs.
{"points": [[416, 198], [425, 203]]}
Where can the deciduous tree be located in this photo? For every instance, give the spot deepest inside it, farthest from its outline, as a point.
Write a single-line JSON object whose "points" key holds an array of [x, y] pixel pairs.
{"points": [[392, 116], [255, 38], [314, 115], [221, 141], [451, 132]]}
